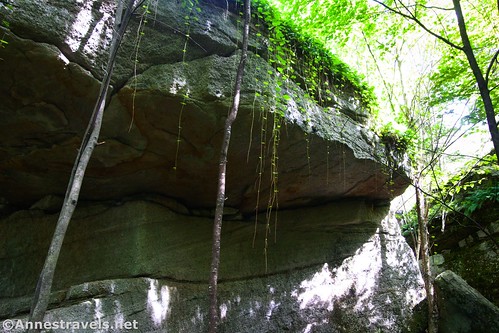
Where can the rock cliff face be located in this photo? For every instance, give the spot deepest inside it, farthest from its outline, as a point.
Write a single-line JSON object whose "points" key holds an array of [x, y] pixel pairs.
{"points": [[139, 245], [50, 73], [332, 268], [462, 308], [470, 252]]}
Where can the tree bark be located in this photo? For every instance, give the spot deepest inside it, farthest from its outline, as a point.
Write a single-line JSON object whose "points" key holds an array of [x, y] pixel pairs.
{"points": [[44, 285], [480, 80], [217, 223], [422, 213]]}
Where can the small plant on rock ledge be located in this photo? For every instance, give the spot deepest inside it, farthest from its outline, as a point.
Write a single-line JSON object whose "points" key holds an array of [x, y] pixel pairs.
{"points": [[6, 10]]}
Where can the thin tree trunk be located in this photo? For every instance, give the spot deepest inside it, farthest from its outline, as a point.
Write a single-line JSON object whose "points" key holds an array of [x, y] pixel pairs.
{"points": [[480, 80], [217, 223], [468, 51], [417, 242], [44, 285], [422, 213]]}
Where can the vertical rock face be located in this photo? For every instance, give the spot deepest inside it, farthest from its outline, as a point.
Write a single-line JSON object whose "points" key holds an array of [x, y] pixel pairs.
{"points": [[468, 251], [326, 269], [163, 125], [139, 246], [462, 308]]}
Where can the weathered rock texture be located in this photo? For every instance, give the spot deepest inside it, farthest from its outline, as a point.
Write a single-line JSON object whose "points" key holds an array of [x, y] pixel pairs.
{"points": [[50, 73], [462, 308], [475, 258], [331, 268], [139, 245], [470, 247]]}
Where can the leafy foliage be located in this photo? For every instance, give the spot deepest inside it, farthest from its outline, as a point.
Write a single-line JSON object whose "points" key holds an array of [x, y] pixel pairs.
{"points": [[469, 190], [410, 222], [453, 80], [465, 193], [301, 57], [477, 197]]}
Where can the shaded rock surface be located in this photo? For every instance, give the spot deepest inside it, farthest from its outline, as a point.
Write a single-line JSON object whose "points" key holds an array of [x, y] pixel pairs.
{"points": [[462, 308], [329, 270], [154, 138], [475, 258], [466, 241], [138, 247], [471, 248]]}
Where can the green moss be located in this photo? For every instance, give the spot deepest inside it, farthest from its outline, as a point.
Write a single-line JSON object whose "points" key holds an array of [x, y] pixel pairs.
{"points": [[478, 265], [306, 61]]}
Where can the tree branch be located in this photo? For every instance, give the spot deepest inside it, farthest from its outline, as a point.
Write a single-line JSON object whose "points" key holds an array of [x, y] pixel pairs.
{"points": [[491, 64], [435, 7], [418, 22], [480, 80], [389, 90]]}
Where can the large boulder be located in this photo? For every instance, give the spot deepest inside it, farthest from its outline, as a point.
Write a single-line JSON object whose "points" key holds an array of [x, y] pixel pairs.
{"points": [[467, 244], [325, 269], [163, 127], [138, 247], [462, 308]]}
